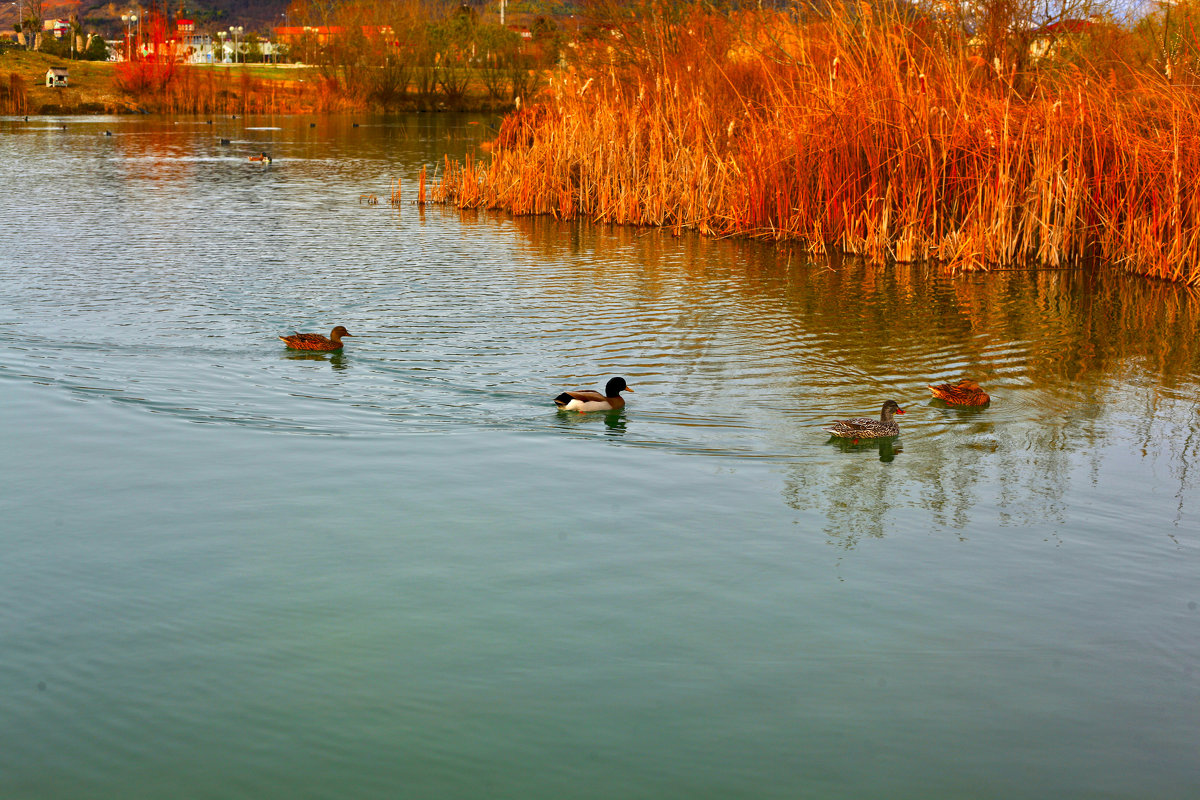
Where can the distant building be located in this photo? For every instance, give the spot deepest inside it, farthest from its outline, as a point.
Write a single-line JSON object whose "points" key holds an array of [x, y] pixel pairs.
{"points": [[56, 76], [194, 48], [320, 34], [56, 26], [1047, 38]]}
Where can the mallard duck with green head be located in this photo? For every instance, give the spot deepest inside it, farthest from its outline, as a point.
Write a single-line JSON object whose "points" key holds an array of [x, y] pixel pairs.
{"points": [[588, 400]]}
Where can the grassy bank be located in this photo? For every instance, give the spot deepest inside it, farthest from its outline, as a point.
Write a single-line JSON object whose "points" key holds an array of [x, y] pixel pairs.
{"points": [[98, 87], [888, 138], [91, 89]]}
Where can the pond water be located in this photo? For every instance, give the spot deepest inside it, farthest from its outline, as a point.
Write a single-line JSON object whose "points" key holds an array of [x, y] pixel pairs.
{"points": [[230, 570]]}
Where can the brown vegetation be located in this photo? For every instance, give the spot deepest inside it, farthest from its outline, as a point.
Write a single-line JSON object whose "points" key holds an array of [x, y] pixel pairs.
{"points": [[167, 88], [876, 135], [24, 72], [13, 97], [425, 54]]}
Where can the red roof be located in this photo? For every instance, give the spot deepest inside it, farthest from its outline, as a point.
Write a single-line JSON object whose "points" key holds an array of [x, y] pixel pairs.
{"points": [[299, 30], [1067, 26]]}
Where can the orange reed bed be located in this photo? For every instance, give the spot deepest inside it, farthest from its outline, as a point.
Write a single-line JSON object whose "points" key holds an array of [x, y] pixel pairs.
{"points": [[857, 136]]}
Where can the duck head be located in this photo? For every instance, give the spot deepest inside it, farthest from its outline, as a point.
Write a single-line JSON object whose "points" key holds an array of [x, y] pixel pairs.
{"points": [[339, 332], [615, 386], [890, 407]]}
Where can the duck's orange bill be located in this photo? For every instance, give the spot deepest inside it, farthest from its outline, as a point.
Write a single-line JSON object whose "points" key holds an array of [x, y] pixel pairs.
{"points": [[628, 389], [899, 410]]}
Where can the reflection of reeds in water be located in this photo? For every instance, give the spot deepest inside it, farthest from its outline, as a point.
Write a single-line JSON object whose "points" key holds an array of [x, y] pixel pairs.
{"points": [[1085, 371], [857, 136], [1052, 330], [1067, 354]]}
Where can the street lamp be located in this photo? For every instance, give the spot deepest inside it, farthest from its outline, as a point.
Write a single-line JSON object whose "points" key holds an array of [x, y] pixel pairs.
{"points": [[130, 19], [20, 22], [286, 25], [235, 31], [221, 35]]}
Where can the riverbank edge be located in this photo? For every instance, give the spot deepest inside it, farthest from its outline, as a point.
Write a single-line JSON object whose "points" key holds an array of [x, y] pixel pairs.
{"points": [[92, 90]]}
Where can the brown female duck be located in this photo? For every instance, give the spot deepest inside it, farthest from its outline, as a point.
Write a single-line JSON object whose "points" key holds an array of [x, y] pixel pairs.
{"points": [[587, 400], [315, 341], [964, 393], [864, 428]]}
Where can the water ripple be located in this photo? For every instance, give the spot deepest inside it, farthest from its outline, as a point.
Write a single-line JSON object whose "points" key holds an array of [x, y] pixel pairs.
{"points": [[477, 320]]}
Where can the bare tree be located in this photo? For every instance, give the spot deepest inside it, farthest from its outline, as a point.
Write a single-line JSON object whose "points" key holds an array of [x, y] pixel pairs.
{"points": [[1003, 32]]}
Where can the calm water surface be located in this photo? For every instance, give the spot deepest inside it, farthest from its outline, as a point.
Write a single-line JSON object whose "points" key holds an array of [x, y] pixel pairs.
{"points": [[227, 570]]}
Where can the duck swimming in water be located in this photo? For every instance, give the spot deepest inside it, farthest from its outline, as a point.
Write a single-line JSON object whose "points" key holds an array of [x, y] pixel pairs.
{"points": [[261, 157], [865, 428], [315, 341], [964, 393], [587, 400]]}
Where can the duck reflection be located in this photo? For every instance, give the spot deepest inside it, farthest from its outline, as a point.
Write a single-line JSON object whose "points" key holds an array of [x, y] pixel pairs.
{"points": [[614, 421], [336, 360], [888, 448], [960, 412]]}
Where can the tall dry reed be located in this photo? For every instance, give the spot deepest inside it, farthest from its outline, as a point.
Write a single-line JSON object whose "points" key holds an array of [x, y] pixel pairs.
{"points": [[870, 136]]}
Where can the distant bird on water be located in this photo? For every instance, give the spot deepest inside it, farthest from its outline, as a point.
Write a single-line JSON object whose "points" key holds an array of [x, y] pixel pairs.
{"points": [[865, 428], [964, 393], [262, 158], [315, 341], [587, 400]]}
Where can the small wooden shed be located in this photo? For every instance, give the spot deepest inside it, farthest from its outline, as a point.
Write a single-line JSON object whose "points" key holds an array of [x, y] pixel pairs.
{"points": [[56, 76]]}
